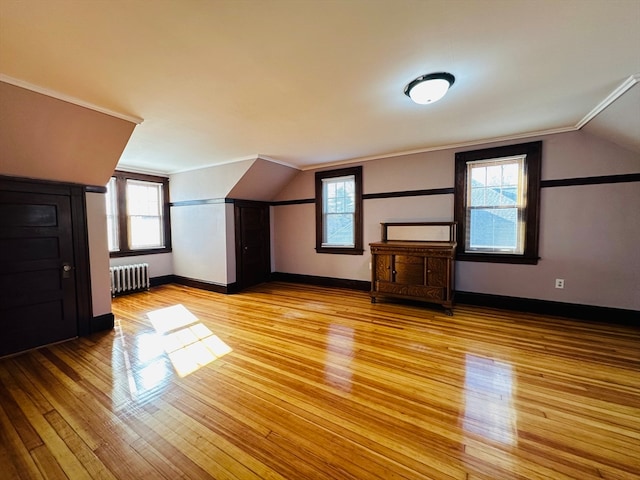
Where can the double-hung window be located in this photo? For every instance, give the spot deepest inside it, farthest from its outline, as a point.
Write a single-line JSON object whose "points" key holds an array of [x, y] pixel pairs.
{"points": [[339, 211], [138, 214], [496, 203]]}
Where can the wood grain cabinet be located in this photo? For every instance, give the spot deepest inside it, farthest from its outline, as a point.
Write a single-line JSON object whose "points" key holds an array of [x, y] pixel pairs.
{"points": [[414, 270]]}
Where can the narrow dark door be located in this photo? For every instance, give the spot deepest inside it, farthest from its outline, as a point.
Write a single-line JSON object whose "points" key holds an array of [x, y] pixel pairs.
{"points": [[253, 259], [37, 284]]}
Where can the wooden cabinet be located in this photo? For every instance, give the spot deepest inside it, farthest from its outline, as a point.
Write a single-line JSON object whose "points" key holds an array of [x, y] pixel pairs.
{"points": [[413, 270]]}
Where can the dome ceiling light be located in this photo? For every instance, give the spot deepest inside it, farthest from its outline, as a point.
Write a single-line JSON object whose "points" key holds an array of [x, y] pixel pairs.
{"points": [[429, 88]]}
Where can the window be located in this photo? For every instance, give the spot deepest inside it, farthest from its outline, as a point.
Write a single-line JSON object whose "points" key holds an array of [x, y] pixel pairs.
{"points": [[496, 203], [339, 211], [138, 214]]}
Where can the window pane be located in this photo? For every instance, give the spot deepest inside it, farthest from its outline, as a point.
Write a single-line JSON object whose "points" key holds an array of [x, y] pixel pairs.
{"points": [[495, 194], [112, 216], [339, 209], [146, 232], [494, 229], [144, 208], [339, 229]]}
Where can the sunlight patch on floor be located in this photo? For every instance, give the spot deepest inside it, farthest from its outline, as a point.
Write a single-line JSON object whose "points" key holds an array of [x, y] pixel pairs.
{"points": [[189, 344]]}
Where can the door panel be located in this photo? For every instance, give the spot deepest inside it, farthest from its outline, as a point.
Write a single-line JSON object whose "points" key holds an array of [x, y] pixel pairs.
{"points": [[37, 299], [253, 257]]}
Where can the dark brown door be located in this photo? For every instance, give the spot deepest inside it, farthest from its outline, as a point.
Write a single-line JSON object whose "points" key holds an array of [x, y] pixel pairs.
{"points": [[253, 259], [37, 284]]}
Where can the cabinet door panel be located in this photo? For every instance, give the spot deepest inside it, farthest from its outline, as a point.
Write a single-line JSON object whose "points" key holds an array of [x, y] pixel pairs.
{"points": [[409, 270], [437, 272], [383, 267]]}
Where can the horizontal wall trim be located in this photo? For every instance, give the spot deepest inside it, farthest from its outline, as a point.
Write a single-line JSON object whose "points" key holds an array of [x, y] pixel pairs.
{"points": [[204, 201], [95, 189], [570, 182], [547, 307], [293, 202], [409, 193], [563, 182]]}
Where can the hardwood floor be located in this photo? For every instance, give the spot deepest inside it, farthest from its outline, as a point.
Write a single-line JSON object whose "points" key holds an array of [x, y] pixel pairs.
{"points": [[301, 382]]}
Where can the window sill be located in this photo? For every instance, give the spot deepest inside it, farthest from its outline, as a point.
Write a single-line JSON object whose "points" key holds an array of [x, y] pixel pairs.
{"points": [[496, 258], [340, 250], [136, 253]]}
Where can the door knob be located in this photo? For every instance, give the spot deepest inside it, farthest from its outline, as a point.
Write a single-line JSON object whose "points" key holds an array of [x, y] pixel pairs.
{"points": [[66, 270]]}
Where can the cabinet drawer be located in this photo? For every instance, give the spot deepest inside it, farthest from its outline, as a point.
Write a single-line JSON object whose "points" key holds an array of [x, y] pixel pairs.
{"points": [[431, 293]]}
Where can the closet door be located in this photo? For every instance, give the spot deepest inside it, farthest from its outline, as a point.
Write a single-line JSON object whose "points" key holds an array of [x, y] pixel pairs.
{"points": [[37, 271], [253, 258]]}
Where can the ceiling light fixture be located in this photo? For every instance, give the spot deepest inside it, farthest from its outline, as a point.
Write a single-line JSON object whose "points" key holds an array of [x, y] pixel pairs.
{"points": [[429, 88]]}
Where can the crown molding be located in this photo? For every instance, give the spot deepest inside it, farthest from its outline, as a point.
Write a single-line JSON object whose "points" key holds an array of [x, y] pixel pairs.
{"points": [[450, 146], [256, 156], [612, 97], [69, 99]]}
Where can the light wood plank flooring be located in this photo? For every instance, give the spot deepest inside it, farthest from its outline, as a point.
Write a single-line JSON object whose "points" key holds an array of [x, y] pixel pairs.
{"points": [[301, 382]]}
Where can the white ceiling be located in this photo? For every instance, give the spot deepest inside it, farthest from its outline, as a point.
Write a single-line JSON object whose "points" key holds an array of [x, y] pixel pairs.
{"points": [[316, 82]]}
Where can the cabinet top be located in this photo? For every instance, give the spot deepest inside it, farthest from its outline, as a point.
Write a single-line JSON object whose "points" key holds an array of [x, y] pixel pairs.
{"points": [[412, 244]]}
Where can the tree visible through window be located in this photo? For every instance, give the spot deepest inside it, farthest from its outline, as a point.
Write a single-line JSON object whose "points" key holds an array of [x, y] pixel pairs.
{"points": [[496, 203], [339, 211]]}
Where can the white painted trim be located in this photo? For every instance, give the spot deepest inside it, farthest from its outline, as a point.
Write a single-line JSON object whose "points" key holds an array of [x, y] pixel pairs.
{"points": [[612, 97], [442, 147], [67, 98], [236, 160], [279, 162]]}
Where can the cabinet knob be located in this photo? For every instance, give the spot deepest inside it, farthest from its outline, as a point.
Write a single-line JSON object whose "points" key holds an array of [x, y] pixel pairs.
{"points": [[394, 272]]}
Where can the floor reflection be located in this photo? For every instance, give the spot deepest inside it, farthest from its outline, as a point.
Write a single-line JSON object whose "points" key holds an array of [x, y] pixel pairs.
{"points": [[489, 409], [189, 344], [337, 370], [146, 368], [180, 343]]}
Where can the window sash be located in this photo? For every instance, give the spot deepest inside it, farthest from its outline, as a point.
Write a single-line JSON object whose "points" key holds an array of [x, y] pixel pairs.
{"points": [[496, 205], [338, 211], [144, 214]]}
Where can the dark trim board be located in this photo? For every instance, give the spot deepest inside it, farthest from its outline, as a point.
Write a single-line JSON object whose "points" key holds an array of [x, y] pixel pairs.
{"points": [[210, 286], [546, 307], [102, 322], [604, 179], [321, 281], [162, 280]]}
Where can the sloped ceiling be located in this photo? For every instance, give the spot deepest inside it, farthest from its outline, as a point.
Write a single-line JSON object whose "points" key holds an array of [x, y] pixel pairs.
{"points": [[309, 82], [46, 138], [619, 122]]}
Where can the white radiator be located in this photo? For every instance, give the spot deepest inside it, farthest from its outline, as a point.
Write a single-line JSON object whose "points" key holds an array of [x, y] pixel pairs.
{"points": [[129, 278]]}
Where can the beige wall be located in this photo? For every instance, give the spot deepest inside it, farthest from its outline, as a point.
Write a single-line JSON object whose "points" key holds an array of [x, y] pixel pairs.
{"points": [[42, 137], [98, 254], [588, 234], [202, 234]]}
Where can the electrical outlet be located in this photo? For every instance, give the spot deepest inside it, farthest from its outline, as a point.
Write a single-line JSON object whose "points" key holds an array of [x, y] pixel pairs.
{"points": [[559, 282]]}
